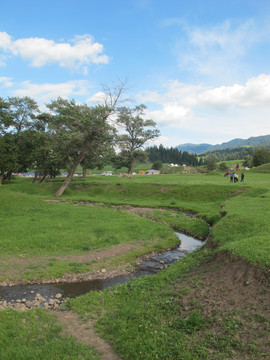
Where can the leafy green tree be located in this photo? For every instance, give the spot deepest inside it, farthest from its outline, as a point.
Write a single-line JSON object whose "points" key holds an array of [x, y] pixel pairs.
{"points": [[8, 158], [23, 112], [77, 129], [157, 165], [5, 118], [17, 119], [248, 161], [210, 162], [261, 156], [98, 157], [222, 166], [136, 132], [6, 146]]}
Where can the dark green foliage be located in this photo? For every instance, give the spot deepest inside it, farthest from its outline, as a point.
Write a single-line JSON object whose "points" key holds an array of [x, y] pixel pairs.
{"points": [[222, 166], [137, 132], [171, 155], [210, 162], [157, 165], [230, 154], [261, 156], [17, 130]]}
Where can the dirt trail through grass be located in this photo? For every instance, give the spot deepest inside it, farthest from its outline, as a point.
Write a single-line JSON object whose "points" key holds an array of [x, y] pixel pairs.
{"points": [[84, 332]]}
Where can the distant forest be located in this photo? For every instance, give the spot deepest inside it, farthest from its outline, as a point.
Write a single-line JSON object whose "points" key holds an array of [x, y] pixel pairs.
{"points": [[175, 156], [230, 154], [172, 155]]}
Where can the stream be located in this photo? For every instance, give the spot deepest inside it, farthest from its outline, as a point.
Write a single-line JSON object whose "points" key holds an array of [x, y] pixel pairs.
{"points": [[53, 294]]}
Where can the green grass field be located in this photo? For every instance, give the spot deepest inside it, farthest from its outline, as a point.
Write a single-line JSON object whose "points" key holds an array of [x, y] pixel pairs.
{"points": [[150, 317], [36, 335]]}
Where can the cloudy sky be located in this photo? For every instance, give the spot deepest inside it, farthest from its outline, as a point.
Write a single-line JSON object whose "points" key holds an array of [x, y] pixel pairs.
{"points": [[202, 67]]}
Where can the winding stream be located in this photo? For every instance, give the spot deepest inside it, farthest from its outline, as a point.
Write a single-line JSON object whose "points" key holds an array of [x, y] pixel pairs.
{"points": [[28, 293]]}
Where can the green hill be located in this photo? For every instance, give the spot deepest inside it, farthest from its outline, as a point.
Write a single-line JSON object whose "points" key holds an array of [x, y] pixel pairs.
{"points": [[232, 144]]}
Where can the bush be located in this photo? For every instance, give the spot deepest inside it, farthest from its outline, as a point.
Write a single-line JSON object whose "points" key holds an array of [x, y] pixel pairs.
{"points": [[157, 165], [222, 166], [210, 162]]}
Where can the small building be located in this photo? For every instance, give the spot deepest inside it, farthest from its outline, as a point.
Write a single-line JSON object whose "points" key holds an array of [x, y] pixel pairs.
{"points": [[152, 172]]}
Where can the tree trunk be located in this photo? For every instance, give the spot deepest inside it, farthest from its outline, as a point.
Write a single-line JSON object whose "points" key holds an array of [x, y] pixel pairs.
{"points": [[71, 172], [1, 179], [35, 177], [7, 176], [42, 179], [130, 170], [84, 171]]}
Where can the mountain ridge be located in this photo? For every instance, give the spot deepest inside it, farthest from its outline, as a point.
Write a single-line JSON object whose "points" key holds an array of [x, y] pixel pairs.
{"points": [[254, 141]]}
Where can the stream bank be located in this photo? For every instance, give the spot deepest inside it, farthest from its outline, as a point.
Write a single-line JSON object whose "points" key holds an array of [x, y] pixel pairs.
{"points": [[52, 295]]}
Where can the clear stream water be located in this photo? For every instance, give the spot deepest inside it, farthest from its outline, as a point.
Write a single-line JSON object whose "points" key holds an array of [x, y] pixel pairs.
{"points": [[71, 290]]}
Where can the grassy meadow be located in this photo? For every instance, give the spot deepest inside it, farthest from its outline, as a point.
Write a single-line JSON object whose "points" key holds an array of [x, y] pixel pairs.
{"points": [[178, 313]]}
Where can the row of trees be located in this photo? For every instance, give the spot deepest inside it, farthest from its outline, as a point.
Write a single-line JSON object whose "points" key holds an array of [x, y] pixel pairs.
{"points": [[261, 155], [230, 154], [172, 155], [69, 134]]}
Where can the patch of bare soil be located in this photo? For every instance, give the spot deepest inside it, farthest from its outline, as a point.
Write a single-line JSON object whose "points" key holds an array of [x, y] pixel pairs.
{"points": [[235, 297], [17, 265], [139, 211], [84, 332]]}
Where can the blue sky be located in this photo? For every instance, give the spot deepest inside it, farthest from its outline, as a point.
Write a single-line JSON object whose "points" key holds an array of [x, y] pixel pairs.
{"points": [[201, 67]]}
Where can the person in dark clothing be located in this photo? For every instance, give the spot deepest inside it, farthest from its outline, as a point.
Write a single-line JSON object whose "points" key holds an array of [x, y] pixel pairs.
{"points": [[242, 177]]}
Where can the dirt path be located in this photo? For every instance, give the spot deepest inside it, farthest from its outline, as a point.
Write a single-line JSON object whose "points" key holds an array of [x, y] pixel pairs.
{"points": [[84, 332]]}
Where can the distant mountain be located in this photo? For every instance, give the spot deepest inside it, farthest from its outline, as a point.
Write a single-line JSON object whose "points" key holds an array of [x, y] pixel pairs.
{"points": [[193, 148], [232, 144]]}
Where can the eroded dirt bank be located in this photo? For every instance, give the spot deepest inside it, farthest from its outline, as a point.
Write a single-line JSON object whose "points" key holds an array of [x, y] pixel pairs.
{"points": [[231, 294], [235, 297]]}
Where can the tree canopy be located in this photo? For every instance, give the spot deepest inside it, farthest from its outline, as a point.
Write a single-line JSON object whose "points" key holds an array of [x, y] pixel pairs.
{"points": [[136, 131]]}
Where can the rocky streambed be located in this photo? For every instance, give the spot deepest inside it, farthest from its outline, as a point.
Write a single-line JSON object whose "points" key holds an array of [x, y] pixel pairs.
{"points": [[38, 300]]}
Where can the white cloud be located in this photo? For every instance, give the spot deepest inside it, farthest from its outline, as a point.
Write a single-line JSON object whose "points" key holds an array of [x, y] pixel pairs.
{"points": [[172, 113], [77, 54], [47, 92], [254, 93], [97, 98], [6, 81], [219, 51], [226, 112], [5, 41]]}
